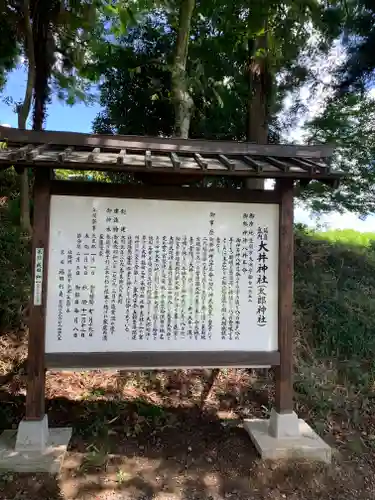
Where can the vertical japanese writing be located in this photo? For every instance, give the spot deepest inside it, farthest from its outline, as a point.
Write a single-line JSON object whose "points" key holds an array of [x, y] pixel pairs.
{"points": [[84, 310], [142, 290], [210, 291], [77, 288], [262, 275], [204, 329], [101, 245], [163, 289], [250, 232], [94, 241], [156, 311], [77, 310], [171, 256], [135, 297], [129, 285], [184, 270], [224, 289], [230, 326], [149, 287], [91, 310], [177, 290], [61, 285], [107, 253], [86, 254], [78, 254], [237, 329], [121, 280], [69, 275], [248, 251], [38, 276], [198, 288], [114, 278], [190, 285]]}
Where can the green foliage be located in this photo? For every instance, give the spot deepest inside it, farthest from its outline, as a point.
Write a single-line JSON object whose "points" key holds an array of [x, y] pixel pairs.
{"points": [[9, 49], [346, 122], [15, 259], [135, 92], [357, 71], [334, 287]]}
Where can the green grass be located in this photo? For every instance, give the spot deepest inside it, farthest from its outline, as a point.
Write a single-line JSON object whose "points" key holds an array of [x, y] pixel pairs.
{"points": [[334, 291], [347, 237]]}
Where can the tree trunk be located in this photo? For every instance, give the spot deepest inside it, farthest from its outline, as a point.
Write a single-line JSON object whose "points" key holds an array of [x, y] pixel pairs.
{"points": [[257, 110], [23, 111], [183, 102], [257, 128]]}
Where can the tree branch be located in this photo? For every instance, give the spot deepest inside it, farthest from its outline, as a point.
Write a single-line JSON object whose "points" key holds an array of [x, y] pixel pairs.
{"points": [[24, 109], [183, 101]]}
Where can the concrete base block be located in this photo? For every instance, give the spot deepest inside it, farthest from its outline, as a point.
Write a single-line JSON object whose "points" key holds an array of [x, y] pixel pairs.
{"points": [[32, 435], [283, 425], [48, 460], [307, 445]]}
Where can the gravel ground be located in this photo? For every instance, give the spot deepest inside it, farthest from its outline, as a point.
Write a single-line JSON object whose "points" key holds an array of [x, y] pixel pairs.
{"points": [[164, 443]]}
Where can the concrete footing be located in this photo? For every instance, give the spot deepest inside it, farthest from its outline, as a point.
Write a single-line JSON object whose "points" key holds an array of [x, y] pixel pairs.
{"points": [[34, 447], [286, 436]]}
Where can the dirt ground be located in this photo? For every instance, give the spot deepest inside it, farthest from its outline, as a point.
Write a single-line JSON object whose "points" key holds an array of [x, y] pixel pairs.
{"points": [[178, 436]]}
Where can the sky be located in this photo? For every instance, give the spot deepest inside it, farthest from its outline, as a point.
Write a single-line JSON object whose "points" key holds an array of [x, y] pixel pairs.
{"points": [[79, 118]]}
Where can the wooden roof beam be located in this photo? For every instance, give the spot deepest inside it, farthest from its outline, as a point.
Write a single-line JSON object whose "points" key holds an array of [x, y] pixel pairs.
{"points": [[176, 162], [64, 154], [277, 163], [92, 156], [301, 164], [33, 153], [316, 166], [252, 163], [121, 157], [230, 164], [20, 153], [148, 159], [201, 161], [163, 145]]}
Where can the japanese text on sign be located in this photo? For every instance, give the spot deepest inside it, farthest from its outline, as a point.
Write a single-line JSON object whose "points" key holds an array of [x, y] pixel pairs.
{"points": [[38, 276], [156, 275]]}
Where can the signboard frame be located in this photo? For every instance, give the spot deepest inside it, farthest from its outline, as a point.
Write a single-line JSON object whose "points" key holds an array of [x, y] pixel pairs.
{"points": [[38, 361]]}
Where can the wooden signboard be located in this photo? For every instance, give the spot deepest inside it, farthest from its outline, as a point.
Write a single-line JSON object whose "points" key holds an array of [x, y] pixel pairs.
{"points": [[143, 278], [158, 274]]}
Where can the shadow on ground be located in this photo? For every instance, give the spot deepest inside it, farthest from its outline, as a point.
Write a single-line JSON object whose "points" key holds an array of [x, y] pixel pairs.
{"points": [[136, 450]]}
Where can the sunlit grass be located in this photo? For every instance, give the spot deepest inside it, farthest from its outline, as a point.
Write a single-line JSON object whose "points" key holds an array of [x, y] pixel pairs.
{"points": [[347, 236]]}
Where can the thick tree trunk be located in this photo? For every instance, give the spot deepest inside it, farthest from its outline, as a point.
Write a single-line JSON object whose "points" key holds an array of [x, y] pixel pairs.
{"points": [[23, 112], [183, 102], [257, 128], [257, 109]]}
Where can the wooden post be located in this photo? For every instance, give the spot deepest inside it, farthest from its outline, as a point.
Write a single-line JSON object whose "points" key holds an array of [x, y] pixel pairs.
{"points": [[35, 397], [284, 372]]}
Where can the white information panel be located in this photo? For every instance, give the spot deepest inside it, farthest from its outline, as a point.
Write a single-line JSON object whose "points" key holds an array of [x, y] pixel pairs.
{"points": [[156, 275]]}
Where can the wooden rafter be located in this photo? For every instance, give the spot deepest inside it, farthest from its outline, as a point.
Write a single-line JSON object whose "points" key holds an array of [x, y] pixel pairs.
{"points": [[92, 156], [64, 154], [176, 162], [33, 153], [277, 163], [201, 162], [252, 163], [230, 164], [148, 159], [121, 157]]}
